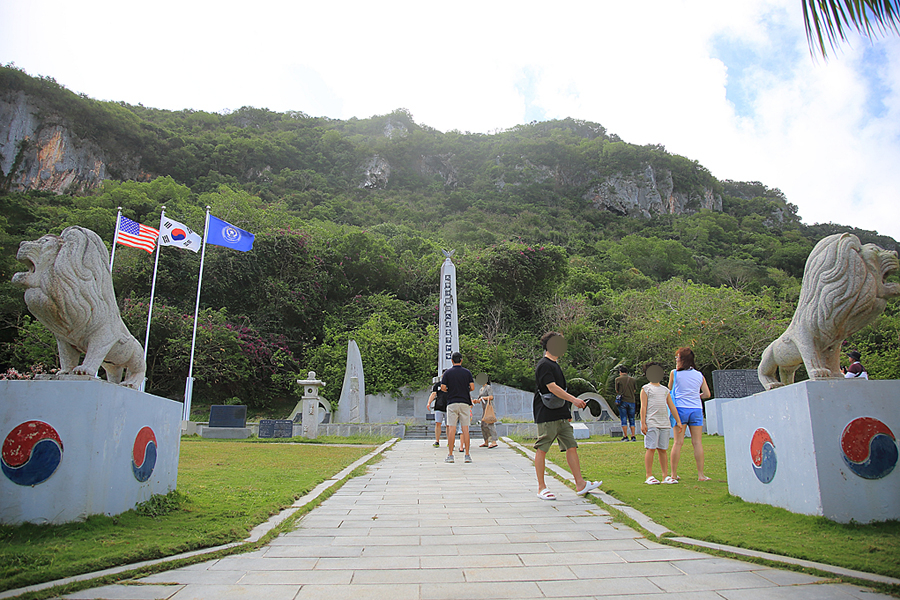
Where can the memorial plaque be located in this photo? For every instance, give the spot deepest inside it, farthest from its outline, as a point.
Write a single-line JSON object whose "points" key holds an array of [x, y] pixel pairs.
{"points": [[276, 428], [406, 407], [228, 416], [736, 383]]}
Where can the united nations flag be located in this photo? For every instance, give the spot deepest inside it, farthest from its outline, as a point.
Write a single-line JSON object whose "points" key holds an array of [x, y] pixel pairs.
{"points": [[222, 233]]}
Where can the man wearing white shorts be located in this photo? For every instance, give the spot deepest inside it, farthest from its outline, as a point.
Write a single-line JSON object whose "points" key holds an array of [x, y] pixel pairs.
{"points": [[458, 384]]}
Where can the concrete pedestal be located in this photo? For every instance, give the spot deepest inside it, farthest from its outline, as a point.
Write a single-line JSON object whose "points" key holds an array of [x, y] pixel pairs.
{"points": [[310, 425], [581, 431], [71, 449], [225, 433], [714, 424], [826, 447]]}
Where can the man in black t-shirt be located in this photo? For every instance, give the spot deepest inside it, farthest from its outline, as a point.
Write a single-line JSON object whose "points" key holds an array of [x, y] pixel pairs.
{"points": [[458, 384], [553, 423]]}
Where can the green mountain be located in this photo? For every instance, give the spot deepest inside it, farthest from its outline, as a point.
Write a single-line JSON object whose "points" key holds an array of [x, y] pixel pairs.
{"points": [[557, 225]]}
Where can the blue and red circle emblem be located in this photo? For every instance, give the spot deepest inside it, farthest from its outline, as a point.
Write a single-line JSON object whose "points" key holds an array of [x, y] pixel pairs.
{"points": [[31, 453], [178, 234], [869, 448], [144, 454], [762, 452]]}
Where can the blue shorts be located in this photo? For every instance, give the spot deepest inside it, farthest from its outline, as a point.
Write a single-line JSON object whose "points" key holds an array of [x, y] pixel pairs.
{"points": [[626, 414], [690, 416]]}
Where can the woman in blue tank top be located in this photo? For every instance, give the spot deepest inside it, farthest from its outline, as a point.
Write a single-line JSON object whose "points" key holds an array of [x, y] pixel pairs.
{"points": [[689, 389]]}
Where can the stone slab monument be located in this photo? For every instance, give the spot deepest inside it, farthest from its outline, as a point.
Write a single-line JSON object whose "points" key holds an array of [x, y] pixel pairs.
{"points": [[352, 404], [728, 384], [73, 445], [827, 446], [276, 428], [228, 422]]}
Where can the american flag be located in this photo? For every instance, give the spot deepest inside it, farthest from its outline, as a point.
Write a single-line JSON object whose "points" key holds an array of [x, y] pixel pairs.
{"points": [[132, 233]]}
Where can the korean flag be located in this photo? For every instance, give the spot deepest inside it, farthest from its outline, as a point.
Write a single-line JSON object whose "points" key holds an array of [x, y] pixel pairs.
{"points": [[173, 233]]}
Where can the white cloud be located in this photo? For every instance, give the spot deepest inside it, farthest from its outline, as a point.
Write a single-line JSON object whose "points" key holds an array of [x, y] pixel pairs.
{"points": [[731, 85]]}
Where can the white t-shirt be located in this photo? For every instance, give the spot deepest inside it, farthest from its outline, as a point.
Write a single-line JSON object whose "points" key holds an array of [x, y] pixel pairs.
{"points": [[657, 410]]}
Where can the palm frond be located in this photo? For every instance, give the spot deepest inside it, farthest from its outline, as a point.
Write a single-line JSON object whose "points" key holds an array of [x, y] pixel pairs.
{"points": [[829, 22]]}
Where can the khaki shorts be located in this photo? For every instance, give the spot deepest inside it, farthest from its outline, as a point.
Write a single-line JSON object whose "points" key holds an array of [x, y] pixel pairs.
{"points": [[561, 431], [462, 412]]}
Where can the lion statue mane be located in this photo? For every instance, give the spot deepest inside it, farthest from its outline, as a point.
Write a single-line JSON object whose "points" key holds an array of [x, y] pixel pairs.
{"points": [[68, 287], [843, 290]]}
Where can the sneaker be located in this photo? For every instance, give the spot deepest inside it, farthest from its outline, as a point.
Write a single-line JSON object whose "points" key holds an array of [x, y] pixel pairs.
{"points": [[449, 459], [633, 439], [468, 458], [436, 444], [625, 439]]}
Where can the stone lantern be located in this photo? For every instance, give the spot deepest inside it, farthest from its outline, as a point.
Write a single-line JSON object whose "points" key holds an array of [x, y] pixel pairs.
{"points": [[309, 405]]}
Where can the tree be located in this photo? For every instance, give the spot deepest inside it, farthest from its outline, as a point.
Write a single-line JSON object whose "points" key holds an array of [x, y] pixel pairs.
{"points": [[832, 20], [727, 328]]}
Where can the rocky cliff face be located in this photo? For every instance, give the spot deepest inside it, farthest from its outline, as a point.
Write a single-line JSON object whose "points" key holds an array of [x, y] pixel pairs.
{"points": [[640, 194], [647, 193], [376, 173], [39, 152]]}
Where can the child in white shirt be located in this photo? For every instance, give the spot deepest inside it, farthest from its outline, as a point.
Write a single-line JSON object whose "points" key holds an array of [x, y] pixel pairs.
{"points": [[655, 424]]}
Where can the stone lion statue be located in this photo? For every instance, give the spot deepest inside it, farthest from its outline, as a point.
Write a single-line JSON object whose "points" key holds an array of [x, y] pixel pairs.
{"points": [[843, 290], [68, 287]]}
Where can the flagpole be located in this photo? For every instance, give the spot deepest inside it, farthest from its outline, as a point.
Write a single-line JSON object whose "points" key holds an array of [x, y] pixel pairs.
{"points": [[189, 384], [112, 255], [162, 216]]}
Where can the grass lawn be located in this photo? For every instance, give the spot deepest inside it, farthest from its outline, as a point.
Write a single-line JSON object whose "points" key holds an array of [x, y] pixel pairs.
{"points": [[706, 511], [225, 488]]}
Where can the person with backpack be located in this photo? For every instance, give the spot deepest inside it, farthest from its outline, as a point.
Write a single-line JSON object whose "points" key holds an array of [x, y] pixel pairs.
{"points": [[626, 388], [439, 398]]}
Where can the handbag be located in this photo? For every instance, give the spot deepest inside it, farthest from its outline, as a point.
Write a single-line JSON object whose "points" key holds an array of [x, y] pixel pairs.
{"points": [[552, 401], [489, 417], [618, 399]]}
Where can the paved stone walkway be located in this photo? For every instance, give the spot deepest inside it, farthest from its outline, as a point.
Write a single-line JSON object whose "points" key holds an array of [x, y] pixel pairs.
{"points": [[417, 528]]}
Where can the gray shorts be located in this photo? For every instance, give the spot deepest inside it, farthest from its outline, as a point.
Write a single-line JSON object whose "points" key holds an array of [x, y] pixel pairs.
{"points": [[657, 438], [440, 417]]}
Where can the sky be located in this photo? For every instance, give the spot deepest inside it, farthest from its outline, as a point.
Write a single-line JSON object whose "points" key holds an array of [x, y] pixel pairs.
{"points": [[732, 85]]}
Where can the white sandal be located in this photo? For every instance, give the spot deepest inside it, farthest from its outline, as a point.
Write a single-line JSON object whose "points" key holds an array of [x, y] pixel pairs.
{"points": [[546, 494], [652, 480]]}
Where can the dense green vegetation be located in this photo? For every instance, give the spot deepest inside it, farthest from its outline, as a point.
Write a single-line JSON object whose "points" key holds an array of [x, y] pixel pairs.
{"points": [[334, 261]]}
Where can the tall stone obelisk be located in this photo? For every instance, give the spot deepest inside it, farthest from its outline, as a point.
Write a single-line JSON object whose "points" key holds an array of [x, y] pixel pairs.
{"points": [[448, 326]]}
